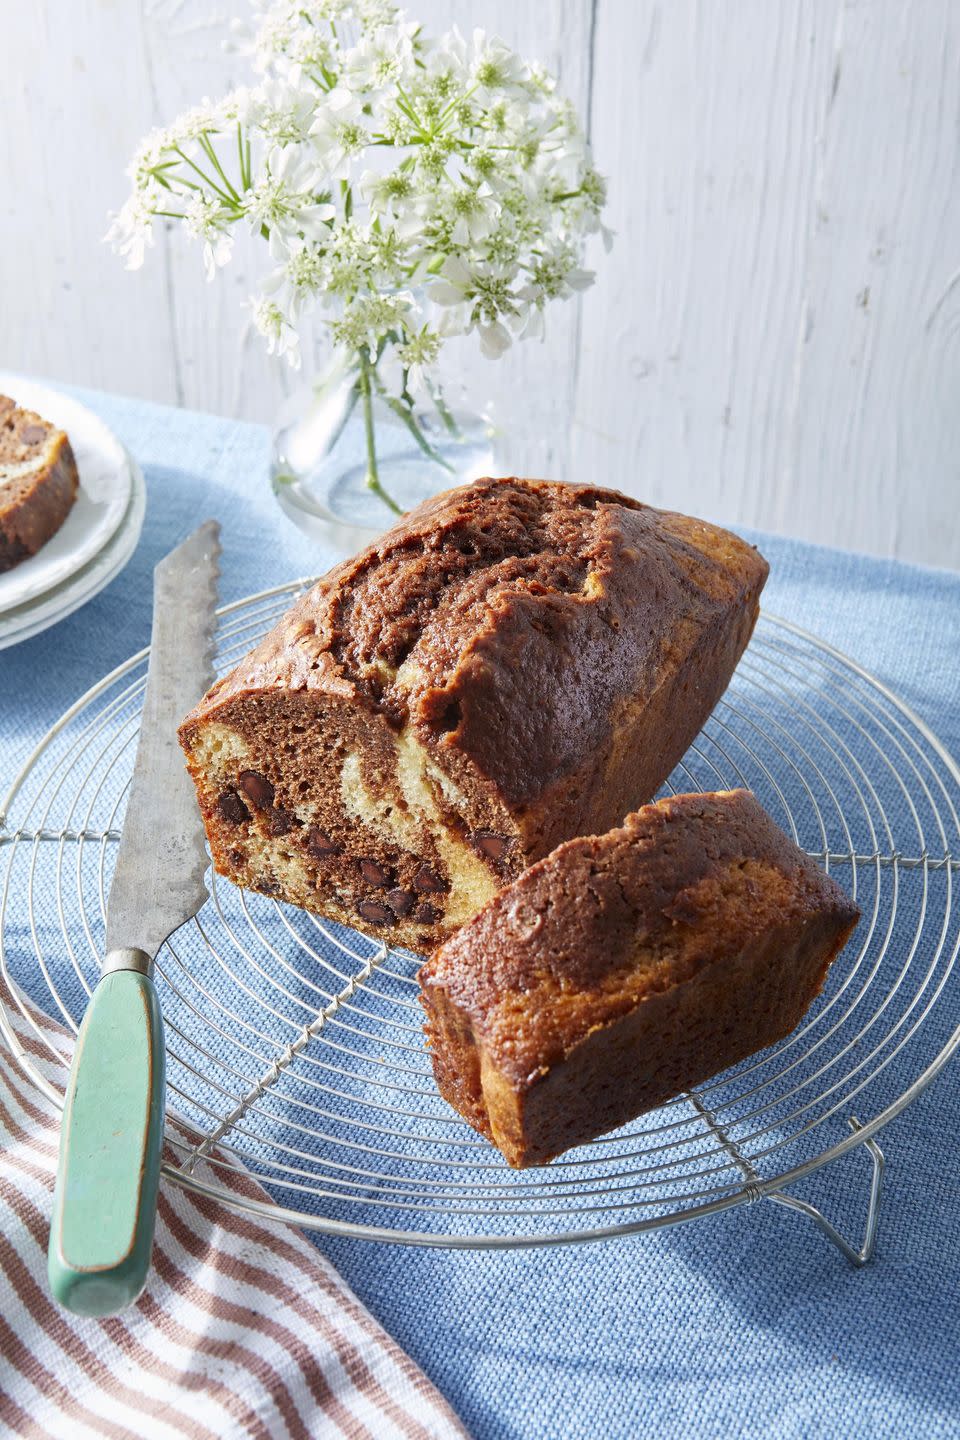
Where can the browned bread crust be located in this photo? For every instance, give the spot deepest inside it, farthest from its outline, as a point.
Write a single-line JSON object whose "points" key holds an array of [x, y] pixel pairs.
{"points": [[38, 482], [626, 968], [515, 662]]}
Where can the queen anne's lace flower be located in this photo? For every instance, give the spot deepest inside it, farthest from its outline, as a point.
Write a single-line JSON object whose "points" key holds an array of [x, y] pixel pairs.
{"points": [[131, 228], [149, 155], [276, 329], [285, 197], [418, 354], [282, 113], [339, 133], [411, 189], [495, 70], [294, 286], [479, 299], [380, 61], [366, 320], [205, 220]]}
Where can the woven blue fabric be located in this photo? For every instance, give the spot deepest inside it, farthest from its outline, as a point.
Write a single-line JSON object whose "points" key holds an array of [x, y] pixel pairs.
{"points": [[745, 1324]]}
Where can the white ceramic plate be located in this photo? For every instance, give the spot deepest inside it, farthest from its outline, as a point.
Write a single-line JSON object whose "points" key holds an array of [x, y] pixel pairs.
{"points": [[100, 506], [29, 619]]}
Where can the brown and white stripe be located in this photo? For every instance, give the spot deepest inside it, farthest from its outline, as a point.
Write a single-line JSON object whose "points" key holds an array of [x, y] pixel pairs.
{"points": [[244, 1329]]}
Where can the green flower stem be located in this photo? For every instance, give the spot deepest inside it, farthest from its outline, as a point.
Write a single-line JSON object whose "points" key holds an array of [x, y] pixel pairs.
{"points": [[403, 405], [373, 474], [406, 105], [443, 410], [168, 184], [207, 144], [460, 100], [405, 413], [243, 173], [227, 199]]}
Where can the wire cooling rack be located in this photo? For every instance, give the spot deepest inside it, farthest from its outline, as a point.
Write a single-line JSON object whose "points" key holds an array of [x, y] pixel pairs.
{"points": [[295, 1050]]}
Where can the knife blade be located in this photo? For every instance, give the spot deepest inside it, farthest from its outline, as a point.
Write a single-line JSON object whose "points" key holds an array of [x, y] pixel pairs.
{"points": [[158, 883], [105, 1200]]}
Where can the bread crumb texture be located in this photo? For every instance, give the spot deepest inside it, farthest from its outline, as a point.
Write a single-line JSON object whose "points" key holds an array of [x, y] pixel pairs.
{"points": [[515, 663], [38, 482]]}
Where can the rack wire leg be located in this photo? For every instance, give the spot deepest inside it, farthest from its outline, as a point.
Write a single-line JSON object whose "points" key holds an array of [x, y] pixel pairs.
{"points": [[856, 1257]]}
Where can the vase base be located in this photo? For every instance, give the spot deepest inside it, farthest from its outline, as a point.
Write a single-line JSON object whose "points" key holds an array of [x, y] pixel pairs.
{"points": [[332, 501]]}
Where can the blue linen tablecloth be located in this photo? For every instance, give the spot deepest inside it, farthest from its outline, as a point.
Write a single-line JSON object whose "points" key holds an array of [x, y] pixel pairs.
{"points": [[746, 1324]]}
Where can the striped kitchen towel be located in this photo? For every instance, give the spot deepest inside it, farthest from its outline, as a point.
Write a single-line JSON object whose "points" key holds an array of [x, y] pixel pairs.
{"points": [[244, 1329]]}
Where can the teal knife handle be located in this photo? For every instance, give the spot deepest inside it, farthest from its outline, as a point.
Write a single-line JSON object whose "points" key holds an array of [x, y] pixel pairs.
{"points": [[105, 1202]]}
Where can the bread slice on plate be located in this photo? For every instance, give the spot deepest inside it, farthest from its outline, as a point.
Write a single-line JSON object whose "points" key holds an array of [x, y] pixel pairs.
{"points": [[514, 663], [38, 482], [626, 968]]}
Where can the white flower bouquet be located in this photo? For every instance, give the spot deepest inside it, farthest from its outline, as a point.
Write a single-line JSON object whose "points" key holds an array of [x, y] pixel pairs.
{"points": [[412, 189]]}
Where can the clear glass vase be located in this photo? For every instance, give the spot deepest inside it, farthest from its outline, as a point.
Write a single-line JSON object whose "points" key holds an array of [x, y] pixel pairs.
{"points": [[320, 466]]}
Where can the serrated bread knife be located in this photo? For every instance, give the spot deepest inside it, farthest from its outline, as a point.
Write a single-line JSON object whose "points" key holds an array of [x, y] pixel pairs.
{"points": [[105, 1201]]}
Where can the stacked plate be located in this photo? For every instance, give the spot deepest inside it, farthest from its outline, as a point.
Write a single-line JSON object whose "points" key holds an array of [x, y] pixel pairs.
{"points": [[98, 536]]}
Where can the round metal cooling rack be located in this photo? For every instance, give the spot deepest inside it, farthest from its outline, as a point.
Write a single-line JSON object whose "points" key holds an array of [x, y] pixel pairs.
{"points": [[295, 1052]]}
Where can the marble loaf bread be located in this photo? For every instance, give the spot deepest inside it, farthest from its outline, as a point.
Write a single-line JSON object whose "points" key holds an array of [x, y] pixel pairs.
{"points": [[38, 482], [514, 663], [626, 968]]}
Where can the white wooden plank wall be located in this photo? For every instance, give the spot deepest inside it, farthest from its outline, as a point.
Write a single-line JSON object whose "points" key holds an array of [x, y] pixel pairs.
{"points": [[774, 340]]}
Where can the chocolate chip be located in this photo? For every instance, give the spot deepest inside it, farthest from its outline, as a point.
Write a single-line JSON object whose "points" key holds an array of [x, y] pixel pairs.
{"points": [[231, 807], [281, 822], [374, 874], [236, 857], [400, 901], [374, 913], [428, 880], [321, 845], [425, 914], [268, 887], [257, 789], [489, 843], [32, 434]]}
